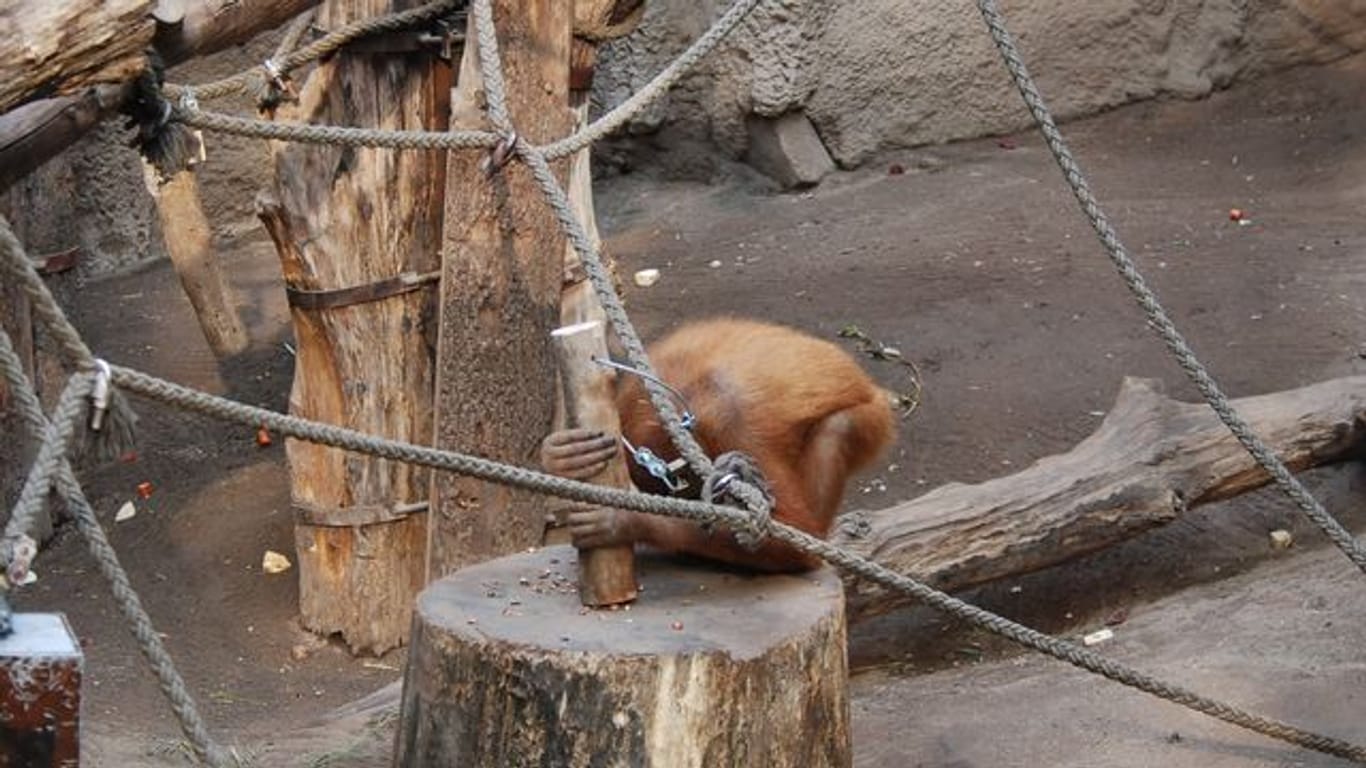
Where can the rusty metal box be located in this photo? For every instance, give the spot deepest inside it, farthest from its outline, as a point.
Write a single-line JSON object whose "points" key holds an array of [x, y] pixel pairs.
{"points": [[40, 693]]}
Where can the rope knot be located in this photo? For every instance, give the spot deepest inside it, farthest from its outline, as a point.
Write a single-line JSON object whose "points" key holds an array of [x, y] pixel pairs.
{"points": [[736, 480]]}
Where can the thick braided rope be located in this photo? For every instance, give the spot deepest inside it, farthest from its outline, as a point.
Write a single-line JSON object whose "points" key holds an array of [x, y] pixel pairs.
{"points": [[16, 268], [52, 451], [223, 409], [490, 66], [484, 469], [172, 685], [293, 35], [1147, 300], [323, 46], [332, 134], [657, 86]]}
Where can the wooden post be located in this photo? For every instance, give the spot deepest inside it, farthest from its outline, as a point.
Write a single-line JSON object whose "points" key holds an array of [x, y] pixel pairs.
{"points": [[40, 693], [358, 232], [578, 302], [500, 291], [190, 246], [709, 668], [607, 575]]}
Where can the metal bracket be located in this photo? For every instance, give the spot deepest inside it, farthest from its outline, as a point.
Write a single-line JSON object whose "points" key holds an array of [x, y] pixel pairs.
{"points": [[359, 294], [442, 38]]}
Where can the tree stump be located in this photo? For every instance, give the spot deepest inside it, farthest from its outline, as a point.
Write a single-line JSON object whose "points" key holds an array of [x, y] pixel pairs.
{"points": [[708, 668]]}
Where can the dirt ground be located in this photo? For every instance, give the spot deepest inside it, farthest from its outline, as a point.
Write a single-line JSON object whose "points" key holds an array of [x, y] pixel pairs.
{"points": [[976, 264]]}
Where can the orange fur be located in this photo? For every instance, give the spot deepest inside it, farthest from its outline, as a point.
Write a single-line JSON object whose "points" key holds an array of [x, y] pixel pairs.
{"points": [[801, 407]]}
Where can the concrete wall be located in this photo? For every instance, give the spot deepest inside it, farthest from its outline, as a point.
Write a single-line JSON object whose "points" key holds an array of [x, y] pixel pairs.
{"points": [[873, 74]]}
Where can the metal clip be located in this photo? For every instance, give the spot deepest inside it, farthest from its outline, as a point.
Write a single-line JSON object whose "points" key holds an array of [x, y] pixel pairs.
{"points": [[499, 156], [657, 467], [280, 80], [99, 397]]}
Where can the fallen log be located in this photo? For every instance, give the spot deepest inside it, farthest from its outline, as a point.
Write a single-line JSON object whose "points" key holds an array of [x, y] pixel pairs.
{"points": [[1151, 459]]}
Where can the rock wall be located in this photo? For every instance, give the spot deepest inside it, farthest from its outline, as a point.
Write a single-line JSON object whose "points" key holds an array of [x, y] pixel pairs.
{"points": [[886, 73], [92, 196]]}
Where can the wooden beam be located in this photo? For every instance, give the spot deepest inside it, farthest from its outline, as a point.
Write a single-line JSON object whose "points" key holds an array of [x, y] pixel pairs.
{"points": [[189, 243], [1151, 459], [346, 218], [186, 30], [58, 47], [500, 291], [607, 576], [37, 131]]}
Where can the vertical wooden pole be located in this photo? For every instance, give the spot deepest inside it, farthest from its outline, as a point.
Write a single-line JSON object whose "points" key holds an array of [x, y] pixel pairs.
{"points": [[345, 218], [607, 576], [190, 245], [500, 290], [578, 302]]}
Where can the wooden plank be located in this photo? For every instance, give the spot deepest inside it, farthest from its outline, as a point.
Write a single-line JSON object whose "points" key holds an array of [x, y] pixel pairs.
{"points": [[500, 291], [1151, 459], [342, 218]]}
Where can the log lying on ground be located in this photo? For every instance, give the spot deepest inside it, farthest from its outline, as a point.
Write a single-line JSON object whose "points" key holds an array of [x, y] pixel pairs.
{"points": [[1151, 459]]}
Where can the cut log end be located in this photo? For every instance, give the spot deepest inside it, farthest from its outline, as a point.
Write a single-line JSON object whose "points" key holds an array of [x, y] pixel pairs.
{"points": [[708, 668]]}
